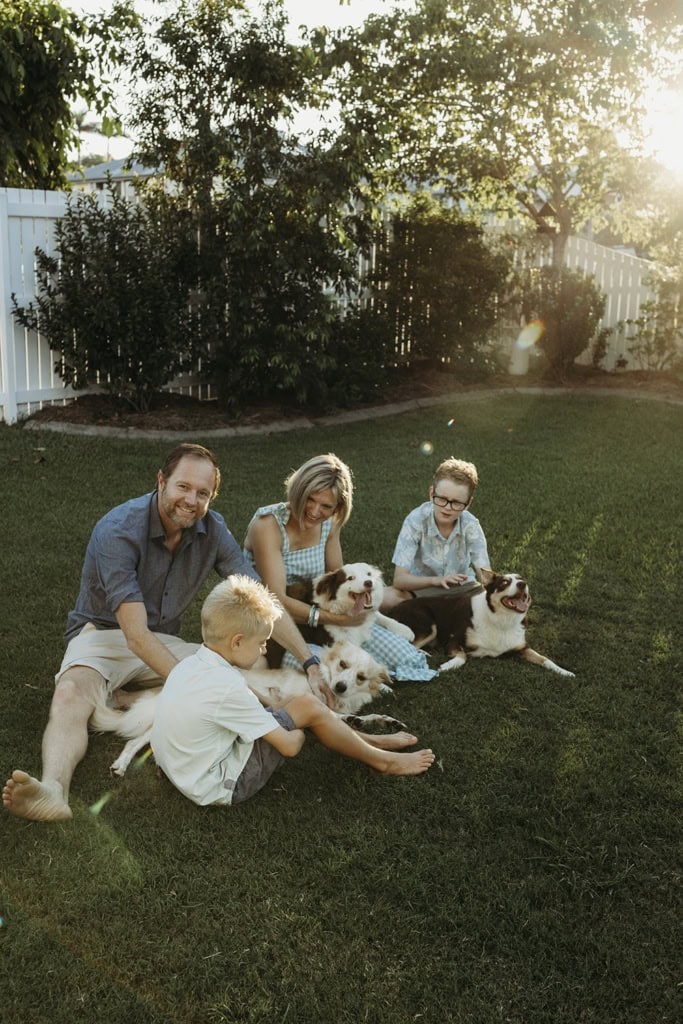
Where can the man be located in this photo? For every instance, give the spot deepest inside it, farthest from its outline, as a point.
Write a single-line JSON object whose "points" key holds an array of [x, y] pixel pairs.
{"points": [[145, 563]]}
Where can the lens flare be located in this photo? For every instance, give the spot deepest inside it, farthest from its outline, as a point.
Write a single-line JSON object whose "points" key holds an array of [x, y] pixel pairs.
{"points": [[139, 761], [426, 447], [99, 804], [450, 423], [529, 334]]}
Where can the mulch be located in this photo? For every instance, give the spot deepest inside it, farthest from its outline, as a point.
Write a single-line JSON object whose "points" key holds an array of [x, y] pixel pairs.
{"points": [[170, 412]]}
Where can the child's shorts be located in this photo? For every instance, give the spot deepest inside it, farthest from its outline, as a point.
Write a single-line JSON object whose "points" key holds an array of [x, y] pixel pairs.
{"points": [[262, 761]]}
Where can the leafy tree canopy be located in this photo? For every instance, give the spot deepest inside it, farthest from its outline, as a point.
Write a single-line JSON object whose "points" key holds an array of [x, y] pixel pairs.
{"points": [[533, 108], [278, 218], [49, 57]]}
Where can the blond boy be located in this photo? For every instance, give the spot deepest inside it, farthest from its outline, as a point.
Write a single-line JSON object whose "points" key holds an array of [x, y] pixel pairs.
{"points": [[212, 737]]}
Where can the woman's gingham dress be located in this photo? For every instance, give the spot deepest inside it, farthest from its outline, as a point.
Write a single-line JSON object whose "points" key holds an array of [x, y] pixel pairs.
{"points": [[403, 661]]}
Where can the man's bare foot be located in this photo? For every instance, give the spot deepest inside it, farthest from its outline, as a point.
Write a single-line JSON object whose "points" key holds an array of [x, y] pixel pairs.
{"points": [[390, 741], [407, 764], [26, 797]]}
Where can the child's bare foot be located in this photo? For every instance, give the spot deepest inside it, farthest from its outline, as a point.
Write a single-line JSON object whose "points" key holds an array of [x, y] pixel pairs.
{"points": [[26, 797], [407, 764], [390, 741]]}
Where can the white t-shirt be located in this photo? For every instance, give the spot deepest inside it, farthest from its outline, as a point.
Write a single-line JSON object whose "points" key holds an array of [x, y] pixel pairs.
{"points": [[205, 724]]}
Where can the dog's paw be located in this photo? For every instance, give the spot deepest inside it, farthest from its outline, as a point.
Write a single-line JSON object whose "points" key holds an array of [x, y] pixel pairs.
{"points": [[117, 768], [383, 688], [456, 662], [354, 722]]}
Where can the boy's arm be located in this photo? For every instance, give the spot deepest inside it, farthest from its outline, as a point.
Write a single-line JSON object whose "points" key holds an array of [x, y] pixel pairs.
{"points": [[404, 580], [478, 551], [288, 743]]}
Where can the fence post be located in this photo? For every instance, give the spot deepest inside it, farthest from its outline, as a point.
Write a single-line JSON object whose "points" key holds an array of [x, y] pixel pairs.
{"points": [[8, 398]]}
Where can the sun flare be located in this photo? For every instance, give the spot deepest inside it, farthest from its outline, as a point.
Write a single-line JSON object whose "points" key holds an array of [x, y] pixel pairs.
{"points": [[664, 122]]}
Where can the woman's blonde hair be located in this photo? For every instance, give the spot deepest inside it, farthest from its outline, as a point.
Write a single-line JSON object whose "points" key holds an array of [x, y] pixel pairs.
{"points": [[321, 473], [239, 604]]}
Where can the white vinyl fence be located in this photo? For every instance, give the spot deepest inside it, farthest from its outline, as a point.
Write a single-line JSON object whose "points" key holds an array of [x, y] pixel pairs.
{"points": [[27, 375], [28, 379], [623, 279]]}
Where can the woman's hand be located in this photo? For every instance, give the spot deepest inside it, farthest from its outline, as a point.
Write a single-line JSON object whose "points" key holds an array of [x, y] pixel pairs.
{"points": [[339, 619]]}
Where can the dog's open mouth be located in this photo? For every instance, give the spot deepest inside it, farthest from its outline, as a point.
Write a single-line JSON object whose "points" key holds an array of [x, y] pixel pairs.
{"points": [[519, 603], [361, 602]]}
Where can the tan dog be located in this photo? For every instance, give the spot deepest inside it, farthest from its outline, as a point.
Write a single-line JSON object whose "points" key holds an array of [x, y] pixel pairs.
{"points": [[353, 675]]}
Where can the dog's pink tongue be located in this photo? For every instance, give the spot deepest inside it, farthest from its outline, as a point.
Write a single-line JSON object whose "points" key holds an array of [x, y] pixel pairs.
{"points": [[521, 603], [361, 603]]}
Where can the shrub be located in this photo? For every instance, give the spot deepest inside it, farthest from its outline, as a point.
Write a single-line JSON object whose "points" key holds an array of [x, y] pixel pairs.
{"points": [[656, 341], [113, 301], [570, 306], [436, 283]]}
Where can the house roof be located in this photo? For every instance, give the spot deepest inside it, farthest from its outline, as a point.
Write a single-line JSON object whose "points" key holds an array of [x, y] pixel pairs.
{"points": [[123, 169]]}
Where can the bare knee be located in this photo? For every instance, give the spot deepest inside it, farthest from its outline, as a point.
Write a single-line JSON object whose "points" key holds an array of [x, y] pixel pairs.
{"points": [[306, 710], [77, 692]]}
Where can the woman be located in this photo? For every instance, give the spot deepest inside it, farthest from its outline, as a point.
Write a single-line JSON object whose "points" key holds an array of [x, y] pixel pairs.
{"points": [[298, 539]]}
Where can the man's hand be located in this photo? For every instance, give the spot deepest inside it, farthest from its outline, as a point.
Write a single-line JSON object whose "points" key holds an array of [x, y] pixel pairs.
{"points": [[319, 687]]}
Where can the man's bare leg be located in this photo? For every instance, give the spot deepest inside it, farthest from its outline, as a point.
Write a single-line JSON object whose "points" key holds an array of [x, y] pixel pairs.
{"points": [[65, 742], [309, 713]]}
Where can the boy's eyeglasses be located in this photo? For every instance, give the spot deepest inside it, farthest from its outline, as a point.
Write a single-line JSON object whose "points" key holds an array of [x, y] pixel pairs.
{"points": [[456, 506]]}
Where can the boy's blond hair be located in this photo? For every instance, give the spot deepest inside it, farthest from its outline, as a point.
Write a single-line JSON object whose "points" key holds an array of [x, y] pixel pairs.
{"points": [[458, 472], [238, 605]]}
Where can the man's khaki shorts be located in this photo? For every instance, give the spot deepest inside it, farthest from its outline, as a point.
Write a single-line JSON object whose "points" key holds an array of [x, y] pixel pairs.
{"points": [[106, 651]]}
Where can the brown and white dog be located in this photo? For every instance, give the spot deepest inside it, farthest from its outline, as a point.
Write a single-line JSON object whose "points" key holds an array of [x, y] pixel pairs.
{"points": [[481, 624], [351, 590], [353, 675]]}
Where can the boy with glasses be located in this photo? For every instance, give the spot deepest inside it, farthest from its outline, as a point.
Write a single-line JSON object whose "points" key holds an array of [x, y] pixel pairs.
{"points": [[441, 545]]}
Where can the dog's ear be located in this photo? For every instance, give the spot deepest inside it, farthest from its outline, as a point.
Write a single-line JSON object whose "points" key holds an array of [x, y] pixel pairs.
{"points": [[486, 576], [330, 583]]}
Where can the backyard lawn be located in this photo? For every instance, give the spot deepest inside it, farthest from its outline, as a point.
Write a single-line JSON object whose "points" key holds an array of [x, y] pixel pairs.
{"points": [[532, 876]]}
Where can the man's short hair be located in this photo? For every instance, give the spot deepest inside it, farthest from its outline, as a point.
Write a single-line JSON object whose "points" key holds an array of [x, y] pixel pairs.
{"points": [[192, 451], [239, 604]]}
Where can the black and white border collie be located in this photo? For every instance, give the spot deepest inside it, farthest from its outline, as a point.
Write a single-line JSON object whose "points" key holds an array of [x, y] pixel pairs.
{"points": [[355, 588], [481, 624]]}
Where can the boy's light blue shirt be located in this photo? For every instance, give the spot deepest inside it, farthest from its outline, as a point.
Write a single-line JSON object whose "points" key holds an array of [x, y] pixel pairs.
{"points": [[423, 551]]}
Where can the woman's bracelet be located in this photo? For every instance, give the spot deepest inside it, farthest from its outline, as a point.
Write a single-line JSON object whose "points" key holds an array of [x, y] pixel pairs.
{"points": [[314, 616]]}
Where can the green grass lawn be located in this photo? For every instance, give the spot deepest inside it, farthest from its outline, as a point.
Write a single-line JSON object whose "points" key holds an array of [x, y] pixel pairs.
{"points": [[531, 877]]}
